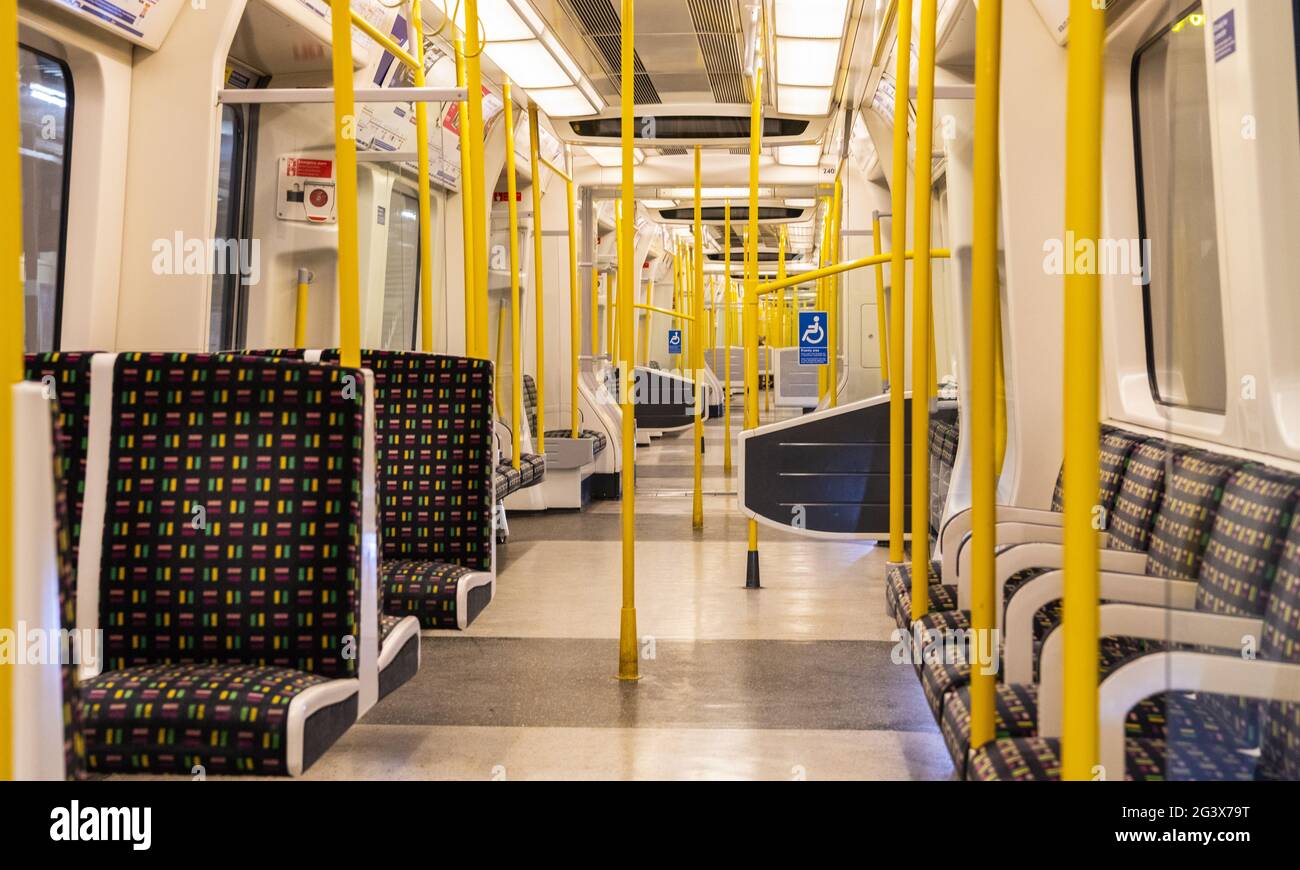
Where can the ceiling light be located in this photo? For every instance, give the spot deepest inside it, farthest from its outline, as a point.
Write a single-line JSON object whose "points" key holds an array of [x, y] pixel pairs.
{"points": [[799, 155], [562, 102], [801, 203], [609, 155], [659, 203], [808, 62], [499, 19], [529, 64], [733, 193], [820, 18], [803, 101]]}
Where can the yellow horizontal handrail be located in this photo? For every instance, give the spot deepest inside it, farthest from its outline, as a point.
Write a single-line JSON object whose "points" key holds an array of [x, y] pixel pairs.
{"points": [[642, 306], [828, 271], [557, 170], [388, 45]]}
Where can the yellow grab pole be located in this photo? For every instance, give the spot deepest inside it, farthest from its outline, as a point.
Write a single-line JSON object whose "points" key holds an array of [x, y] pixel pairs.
{"points": [[11, 347], [540, 435], [478, 217], [642, 306], [496, 364], [750, 308], [840, 268], [823, 260], [676, 361], [726, 331], [611, 297], [407, 58], [345, 177], [627, 647], [512, 208], [921, 338], [422, 163], [833, 289], [575, 314], [697, 354], [1079, 746], [472, 347], [898, 302], [984, 294], [780, 276], [300, 311], [881, 315]]}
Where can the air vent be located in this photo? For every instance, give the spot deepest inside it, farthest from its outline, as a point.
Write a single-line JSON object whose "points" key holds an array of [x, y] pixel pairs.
{"points": [[601, 24], [720, 45], [763, 256], [739, 214], [690, 127]]}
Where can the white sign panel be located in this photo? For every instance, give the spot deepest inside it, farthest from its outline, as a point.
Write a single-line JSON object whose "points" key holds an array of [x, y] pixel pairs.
{"points": [[143, 22]]}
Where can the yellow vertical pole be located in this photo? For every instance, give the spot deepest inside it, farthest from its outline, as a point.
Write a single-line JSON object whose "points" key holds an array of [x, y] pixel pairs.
{"points": [[422, 162], [726, 331], [750, 309], [575, 314], [881, 317], [921, 314], [833, 291], [984, 293], [534, 167], [627, 653], [898, 275], [823, 260], [11, 348], [300, 312], [478, 217], [345, 177], [1079, 747], [780, 276], [697, 354], [512, 208], [611, 294], [472, 347]]}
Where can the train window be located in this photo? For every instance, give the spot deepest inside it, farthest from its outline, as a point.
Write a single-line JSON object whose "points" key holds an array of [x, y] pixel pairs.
{"points": [[46, 119], [402, 275], [1176, 201], [224, 314]]}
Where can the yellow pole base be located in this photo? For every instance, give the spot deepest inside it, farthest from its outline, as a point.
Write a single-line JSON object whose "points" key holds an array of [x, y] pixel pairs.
{"points": [[628, 664]]}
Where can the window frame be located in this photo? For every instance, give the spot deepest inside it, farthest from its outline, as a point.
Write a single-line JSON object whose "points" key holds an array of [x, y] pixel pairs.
{"points": [[56, 339], [1148, 326]]}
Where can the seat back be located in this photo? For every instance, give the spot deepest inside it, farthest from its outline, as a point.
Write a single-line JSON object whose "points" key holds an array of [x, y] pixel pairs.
{"points": [[1193, 487], [1129, 521], [1280, 642], [943, 455], [433, 424], [530, 404], [66, 377], [231, 512], [1116, 445]]}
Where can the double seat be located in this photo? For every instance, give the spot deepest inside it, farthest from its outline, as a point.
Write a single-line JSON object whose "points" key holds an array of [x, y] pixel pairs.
{"points": [[435, 455], [221, 545], [1200, 557]]}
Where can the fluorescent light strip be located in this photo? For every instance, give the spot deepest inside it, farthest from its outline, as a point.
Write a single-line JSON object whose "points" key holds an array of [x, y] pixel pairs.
{"points": [[611, 156], [735, 193]]}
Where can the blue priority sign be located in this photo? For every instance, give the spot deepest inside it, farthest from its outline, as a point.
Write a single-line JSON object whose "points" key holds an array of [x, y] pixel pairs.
{"points": [[674, 341], [813, 343]]}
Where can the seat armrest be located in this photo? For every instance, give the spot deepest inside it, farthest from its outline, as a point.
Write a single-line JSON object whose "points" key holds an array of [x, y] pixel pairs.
{"points": [[1185, 671], [1146, 623], [1044, 554], [958, 526]]}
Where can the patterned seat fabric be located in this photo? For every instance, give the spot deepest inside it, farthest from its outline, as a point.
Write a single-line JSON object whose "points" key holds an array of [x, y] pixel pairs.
{"points": [[598, 437], [227, 718], [508, 479], [66, 377], [1280, 642], [530, 403], [943, 455], [386, 625], [433, 424], [898, 592], [231, 552], [424, 589], [1036, 759]]}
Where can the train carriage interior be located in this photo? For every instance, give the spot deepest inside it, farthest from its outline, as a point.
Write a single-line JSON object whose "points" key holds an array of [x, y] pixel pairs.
{"points": [[650, 390]]}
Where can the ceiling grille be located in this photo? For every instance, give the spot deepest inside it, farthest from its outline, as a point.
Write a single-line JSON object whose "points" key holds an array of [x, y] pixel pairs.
{"points": [[601, 24], [719, 38]]}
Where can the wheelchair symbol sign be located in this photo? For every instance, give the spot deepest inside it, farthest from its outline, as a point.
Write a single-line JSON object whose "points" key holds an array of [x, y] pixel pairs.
{"points": [[674, 341], [813, 344]]}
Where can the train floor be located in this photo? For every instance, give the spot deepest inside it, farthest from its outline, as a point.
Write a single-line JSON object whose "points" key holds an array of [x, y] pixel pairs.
{"points": [[791, 681]]}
